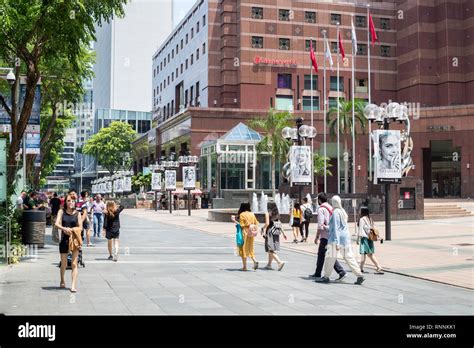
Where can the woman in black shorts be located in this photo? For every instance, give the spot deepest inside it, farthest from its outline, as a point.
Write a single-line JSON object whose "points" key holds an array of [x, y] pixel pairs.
{"points": [[111, 228], [68, 217]]}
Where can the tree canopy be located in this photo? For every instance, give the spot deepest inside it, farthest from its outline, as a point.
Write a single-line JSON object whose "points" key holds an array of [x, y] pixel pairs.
{"points": [[112, 145]]}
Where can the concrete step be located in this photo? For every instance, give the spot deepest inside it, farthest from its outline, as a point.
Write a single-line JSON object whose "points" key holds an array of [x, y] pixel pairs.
{"points": [[444, 211]]}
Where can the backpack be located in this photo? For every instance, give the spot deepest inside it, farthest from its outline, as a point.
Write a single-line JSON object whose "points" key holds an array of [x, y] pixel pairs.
{"points": [[276, 229], [308, 214]]}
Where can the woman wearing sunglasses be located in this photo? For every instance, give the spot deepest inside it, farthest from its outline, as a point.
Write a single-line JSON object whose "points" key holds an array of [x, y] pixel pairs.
{"points": [[67, 219]]}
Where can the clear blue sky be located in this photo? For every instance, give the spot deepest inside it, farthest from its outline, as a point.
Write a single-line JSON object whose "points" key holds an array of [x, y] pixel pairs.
{"points": [[180, 8]]}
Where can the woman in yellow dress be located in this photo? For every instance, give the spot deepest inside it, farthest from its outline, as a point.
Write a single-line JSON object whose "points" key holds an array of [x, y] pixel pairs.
{"points": [[246, 218]]}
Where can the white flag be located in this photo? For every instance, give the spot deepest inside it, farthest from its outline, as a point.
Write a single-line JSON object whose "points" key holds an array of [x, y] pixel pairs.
{"points": [[354, 38], [328, 52]]}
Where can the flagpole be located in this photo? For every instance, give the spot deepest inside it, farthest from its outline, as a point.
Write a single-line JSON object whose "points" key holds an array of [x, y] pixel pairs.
{"points": [[324, 115], [338, 107], [370, 92], [353, 109], [312, 139]]}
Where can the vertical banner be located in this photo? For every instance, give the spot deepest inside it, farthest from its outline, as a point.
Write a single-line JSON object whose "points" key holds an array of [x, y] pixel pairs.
{"points": [[300, 164], [189, 177], [119, 185], [108, 187], [3, 169], [387, 154], [33, 143], [156, 181], [170, 180], [127, 184]]}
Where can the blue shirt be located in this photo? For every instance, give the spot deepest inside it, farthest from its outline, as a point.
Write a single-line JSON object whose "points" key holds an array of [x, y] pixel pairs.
{"points": [[338, 231]]}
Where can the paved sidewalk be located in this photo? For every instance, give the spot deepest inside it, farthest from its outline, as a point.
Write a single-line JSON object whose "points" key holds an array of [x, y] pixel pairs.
{"points": [[438, 250]]}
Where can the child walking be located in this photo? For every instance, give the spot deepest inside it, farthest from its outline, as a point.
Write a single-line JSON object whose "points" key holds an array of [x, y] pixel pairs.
{"points": [[111, 228]]}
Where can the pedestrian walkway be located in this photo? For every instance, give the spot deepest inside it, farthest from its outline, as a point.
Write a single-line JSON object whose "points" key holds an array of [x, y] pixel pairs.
{"points": [[166, 269], [438, 250]]}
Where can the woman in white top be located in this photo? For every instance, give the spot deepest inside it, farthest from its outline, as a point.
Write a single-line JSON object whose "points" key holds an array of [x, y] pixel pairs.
{"points": [[366, 245]]}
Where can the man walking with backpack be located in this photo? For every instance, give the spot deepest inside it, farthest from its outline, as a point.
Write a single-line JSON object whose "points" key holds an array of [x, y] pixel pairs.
{"points": [[307, 215], [324, 214]]}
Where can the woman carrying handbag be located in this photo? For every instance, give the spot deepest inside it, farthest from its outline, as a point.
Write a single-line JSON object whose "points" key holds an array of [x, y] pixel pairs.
{"points": [[368, 234], [248, 222]]}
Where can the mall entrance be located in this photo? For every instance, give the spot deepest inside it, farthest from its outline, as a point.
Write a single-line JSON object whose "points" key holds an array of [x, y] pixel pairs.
{"points": [[442, 170]]}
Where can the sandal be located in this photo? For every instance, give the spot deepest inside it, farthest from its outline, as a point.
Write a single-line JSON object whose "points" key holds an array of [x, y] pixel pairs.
{"points": [[73, 290], [255, 266], [62, 285], [379, 271]]}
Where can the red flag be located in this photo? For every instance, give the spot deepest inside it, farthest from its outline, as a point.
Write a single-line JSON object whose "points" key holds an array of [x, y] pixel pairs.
{"points": [[341, 48], [373, 34], [313, 57]]}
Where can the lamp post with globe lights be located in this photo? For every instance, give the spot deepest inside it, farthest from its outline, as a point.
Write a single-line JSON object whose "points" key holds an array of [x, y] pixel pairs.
{"points": [[383, 116], [298, 135]]}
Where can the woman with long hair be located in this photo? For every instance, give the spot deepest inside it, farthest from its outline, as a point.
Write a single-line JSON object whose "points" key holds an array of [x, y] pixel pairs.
{"points": [[67, 219], [111, 228], [249, 223], [271, 231], [366, 247], [339, 241], [297, 215]]}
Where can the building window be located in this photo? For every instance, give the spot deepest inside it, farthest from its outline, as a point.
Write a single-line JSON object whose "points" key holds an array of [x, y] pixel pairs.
{"points": [[385, 51], [361, 86], [332, 102], [335, 18], [361, 49], [192, 33], [181, 68], [257, 42], [164, 84], [186, 64], [161, 66], [204, 20], [192, 59], [168, 57], [186, 98], [172, 76], [334, 47], [257, 12], [385, 23], [307, 45], [191, 95], [334, 83], [182, 44], [164, 63], [284, 44], [284, 81], [204, 48], [307, 103], [361, 21], [197, 27], [168, 79], [172, 53], [161, 86], [197, 54], [176, 72], [307, 82], [177, 50], [310, 17], [284, 15], [187, 39], [283, 102], [197, 94]]}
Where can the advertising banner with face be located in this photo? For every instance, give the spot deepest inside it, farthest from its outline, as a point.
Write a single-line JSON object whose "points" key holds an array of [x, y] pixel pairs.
{"points": [[127, 184], [387, 153], [156, 181], [170, 180], [189, 175], [300, 164]]}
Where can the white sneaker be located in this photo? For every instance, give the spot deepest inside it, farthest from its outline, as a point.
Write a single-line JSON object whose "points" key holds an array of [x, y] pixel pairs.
{"points": [[115, 257], [281, 266]]}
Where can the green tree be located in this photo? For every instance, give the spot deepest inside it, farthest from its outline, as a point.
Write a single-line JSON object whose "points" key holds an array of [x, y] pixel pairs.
{"points": [[141, 181], [37, 31], [318, 167], [345, 128], [273, 141], [112, 145]]}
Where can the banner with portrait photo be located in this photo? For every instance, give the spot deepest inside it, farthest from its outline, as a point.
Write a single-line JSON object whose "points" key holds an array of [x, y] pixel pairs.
{"points": [[127, 184], [387, 154], [156, 181], [300, 164], [170, 180], [189, 177]]}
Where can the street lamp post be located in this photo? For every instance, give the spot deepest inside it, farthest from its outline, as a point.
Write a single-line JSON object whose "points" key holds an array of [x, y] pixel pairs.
{"points": [[189, 160], [299, 135], [383, 116]]}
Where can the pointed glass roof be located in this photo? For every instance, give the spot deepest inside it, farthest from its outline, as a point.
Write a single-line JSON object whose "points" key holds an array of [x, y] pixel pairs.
{"points": [[241, 133]]}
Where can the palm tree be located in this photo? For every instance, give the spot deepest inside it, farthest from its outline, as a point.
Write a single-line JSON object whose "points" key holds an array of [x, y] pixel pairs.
{"points": [[273, 141], [319, 166], [345, 126]]}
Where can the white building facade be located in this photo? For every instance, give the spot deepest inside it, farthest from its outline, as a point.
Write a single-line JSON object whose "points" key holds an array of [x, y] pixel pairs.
{"points": [[180, 66]]}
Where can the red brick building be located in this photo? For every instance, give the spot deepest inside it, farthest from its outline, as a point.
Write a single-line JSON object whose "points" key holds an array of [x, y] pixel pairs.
{"points": [[256, 57]]}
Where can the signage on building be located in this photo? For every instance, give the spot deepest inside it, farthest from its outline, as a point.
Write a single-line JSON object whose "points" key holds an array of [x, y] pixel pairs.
{"points": [[407, 198], [440, 128], [266, 61]]}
